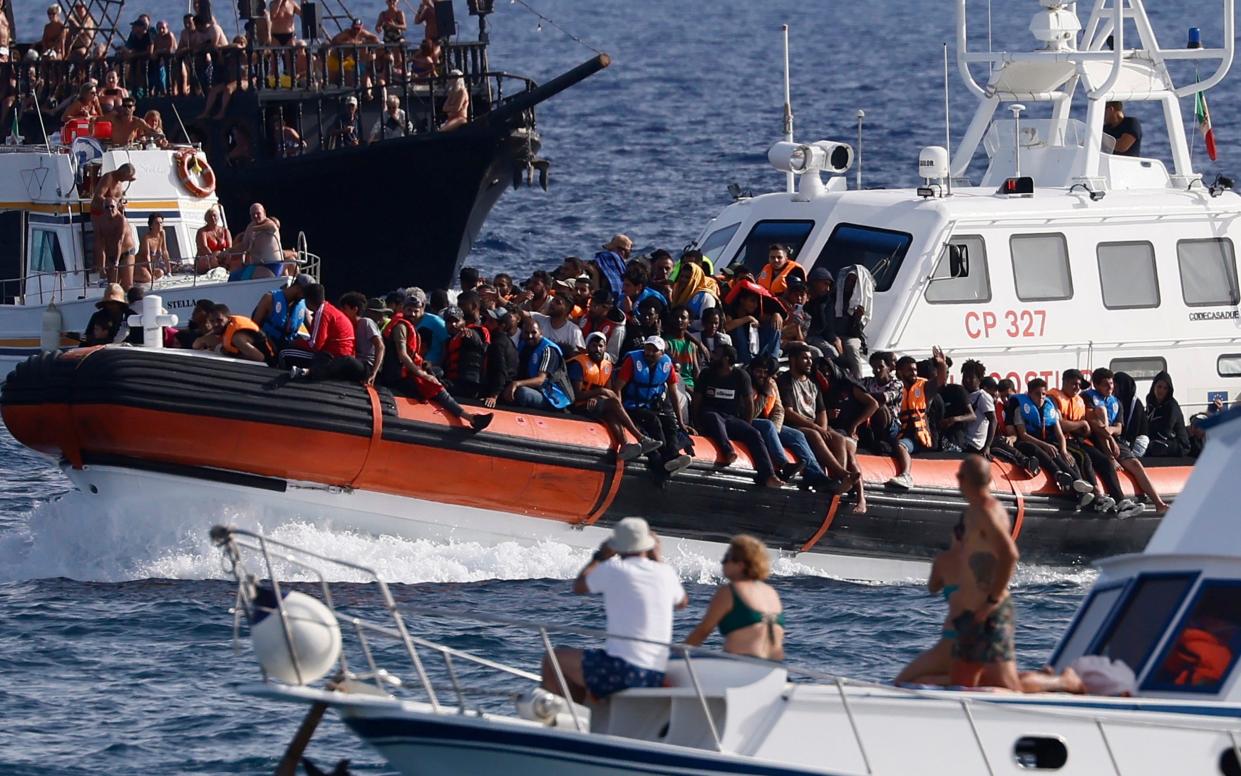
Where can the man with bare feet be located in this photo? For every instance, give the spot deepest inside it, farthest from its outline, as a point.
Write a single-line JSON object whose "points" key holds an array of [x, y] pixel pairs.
{"points": [[805, 410], [983, 654]]}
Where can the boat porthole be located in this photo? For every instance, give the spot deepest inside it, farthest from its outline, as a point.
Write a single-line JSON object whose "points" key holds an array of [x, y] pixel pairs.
{"points": [[93, 489], [1040, 753], [1229, 765]]}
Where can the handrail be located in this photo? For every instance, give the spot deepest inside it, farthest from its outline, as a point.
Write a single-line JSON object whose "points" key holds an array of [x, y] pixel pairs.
{"points": [[1230, 44], [1118, 51], [963, 55]]}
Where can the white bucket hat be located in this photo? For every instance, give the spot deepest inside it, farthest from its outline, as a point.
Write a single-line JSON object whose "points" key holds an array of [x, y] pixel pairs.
{"points": [[1104, 676], [632, 534]]}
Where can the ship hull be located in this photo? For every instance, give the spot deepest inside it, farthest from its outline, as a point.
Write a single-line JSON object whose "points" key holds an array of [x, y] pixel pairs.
{"points": [[387, 464]]}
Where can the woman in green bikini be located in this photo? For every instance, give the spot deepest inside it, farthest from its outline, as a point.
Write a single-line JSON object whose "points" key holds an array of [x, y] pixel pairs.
{"points": [[747, 610], [947, 572]]}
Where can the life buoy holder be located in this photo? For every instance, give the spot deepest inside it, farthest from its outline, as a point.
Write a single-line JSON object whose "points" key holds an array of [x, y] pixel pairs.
{"points": [[195, 173]]}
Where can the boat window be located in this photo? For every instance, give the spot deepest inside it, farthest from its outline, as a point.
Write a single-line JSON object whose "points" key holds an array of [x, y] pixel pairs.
{"points": [[1143, 618], [753, 252], [879, 250], [1208, 272], [1203, 650], [1140, 368], [1041, 267], [1090, 618], [713, 247], [974, 286], [1229, 365], [45, 255], [1127, 275]]}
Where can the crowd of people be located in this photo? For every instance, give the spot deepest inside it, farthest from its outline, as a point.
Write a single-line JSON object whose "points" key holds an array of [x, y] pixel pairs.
{"points": [[662, 350], [98, 85]]}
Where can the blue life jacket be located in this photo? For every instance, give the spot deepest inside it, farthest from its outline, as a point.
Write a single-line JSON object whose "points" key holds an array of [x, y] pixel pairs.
{"points": [[613, 268], [646, 389], [437, 337], [649, 293], [553, 388], [695, 305], [282, 323], [1111, 404], [1037, 422]]}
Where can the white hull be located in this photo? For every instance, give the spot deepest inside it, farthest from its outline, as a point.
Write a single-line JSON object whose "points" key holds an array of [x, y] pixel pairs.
{"points": [[387, 515]]}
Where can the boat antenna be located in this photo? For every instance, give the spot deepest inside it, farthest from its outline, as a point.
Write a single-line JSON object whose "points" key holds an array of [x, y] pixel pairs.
{"points": [[861, 114], [947, 120], [788, 104], [181, 123], [1016, 110]]}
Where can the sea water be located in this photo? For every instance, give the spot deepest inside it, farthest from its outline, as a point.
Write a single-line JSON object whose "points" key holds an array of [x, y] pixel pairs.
{"points": [[115, 653]]}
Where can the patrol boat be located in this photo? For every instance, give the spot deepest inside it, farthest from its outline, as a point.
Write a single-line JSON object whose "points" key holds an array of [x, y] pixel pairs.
{"points": [[49, 283], [1165, 625], [1063, 254]]}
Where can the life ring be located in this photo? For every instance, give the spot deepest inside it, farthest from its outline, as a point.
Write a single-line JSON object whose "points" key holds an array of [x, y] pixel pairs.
{"points": [[195, 173]]}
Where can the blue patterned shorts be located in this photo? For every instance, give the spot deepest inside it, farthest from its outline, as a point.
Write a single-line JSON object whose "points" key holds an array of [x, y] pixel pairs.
{"points": [[605, 674]]}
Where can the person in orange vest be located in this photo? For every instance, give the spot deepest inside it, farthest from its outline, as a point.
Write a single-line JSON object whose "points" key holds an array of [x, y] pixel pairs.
{"points": [[234, 335], [913, 432], [590, 373], [779, 270]]}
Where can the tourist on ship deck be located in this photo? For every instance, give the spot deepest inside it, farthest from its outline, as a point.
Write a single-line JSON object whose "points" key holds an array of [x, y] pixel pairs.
{"points": [[111, 93], [1107, 424], [643, 380], [640, 593], [779, 270], [723, 408], [55, 40], [403, 371], [1169, 438], [558, 328], [347, 134], [136, 52], [230, 75], [128, 128], [1039, 434], [392, 122], [1126, 129], [465, 354], [425, 15], [152, 261], [590, 374], [86, 106], [82, 30], [502, 362], [984, 653], [211, 240], [769, 420], [542, 383], [806, 410], [163, 71], [283, 24], [456, 108], [260, 241], [602, 316], [747, 610]]}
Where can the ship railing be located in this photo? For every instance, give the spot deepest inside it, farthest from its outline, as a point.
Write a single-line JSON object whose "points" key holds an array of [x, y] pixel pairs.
{"points": [[235, 543]]}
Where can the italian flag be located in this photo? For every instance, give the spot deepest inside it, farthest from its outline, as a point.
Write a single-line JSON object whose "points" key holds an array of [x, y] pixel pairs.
{"points": [[1203, 114]]}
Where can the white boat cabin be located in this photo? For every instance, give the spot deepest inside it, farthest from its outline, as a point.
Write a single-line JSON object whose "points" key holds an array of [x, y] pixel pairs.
{"points": [[1065, 255]]}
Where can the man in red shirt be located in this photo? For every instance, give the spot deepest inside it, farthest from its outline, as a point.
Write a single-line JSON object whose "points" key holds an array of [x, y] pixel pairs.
{"points": [[332, 341]]}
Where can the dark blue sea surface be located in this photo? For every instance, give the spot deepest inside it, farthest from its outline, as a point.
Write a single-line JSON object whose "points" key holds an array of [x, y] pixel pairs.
{"points": [[115, 652]]}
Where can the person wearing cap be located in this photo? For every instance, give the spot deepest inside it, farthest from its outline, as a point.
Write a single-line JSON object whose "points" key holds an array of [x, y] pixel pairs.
{"points": [[281, 314], [542, 383], [404, 373], [821, 310], [347, 134], [502, 362], [643, 380], [109, 323], [590, 373], [355, 34], [640, 593], [779, 270], [723, 407], [136, 52], [465, 354], [559, 329], [368, 342], [457, 104], [602, 316]]}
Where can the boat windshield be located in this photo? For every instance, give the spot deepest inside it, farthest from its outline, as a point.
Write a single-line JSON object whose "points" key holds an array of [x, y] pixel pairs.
{"points": [[713, 247], [879, 250], [753, 252]]}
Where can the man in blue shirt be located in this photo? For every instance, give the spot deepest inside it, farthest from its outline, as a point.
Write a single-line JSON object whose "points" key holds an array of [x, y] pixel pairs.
{"points": [[1103, 413]]}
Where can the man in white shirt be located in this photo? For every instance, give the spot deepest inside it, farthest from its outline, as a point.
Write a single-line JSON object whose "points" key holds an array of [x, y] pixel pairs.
{"points": [[639, 594], [979, 432], [559, 329]]}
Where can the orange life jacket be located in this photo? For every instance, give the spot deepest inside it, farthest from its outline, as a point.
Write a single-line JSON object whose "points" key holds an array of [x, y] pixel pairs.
{"points": [[776, 282], [764, 403], [1198, 658], [1070, 409], [913, 413], [238, 323], [594, 375]]}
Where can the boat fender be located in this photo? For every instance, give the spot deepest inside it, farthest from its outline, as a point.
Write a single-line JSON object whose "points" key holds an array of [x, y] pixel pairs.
{"points": [[315, 637], [50, 328], [539, 705], [195, 173]]}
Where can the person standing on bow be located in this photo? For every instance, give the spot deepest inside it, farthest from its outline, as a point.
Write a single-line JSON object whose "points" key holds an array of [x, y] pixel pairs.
{"points": [[640, 593], [984, 653]]}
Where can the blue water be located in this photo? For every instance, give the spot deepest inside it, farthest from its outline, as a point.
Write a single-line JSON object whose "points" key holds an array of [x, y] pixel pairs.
{"points": [[114, 627]]}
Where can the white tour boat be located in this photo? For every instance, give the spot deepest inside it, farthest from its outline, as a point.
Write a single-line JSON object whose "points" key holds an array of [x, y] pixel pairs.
{"points": [[1171, 614], [49, 283], [1063, 255]]}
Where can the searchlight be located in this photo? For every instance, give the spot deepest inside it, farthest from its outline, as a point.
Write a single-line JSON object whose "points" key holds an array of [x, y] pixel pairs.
{"points": [[808, 160]]}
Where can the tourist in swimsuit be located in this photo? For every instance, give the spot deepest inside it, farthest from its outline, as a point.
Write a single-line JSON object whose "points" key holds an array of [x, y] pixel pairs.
{"points": [[261, 241], [112, 94], [211, 240], [747, 610], [947, 572]]}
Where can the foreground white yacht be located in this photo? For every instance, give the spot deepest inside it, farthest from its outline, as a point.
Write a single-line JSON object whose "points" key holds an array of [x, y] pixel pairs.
{"points": [[49, 283], [1171, 614], [1063, 254]]}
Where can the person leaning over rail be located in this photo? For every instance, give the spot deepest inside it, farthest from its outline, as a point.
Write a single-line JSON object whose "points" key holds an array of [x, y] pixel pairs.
{"points": [[640, 593], [747, 610]]}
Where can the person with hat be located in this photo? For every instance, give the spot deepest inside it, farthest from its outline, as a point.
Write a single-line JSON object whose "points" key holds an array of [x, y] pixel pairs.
{"points": [[821, 310], [136, 53], [457, 104], [639, 593], [347, 133], [465, 354], [603, 316], [643, 380], [109, 323], [590, 373], [368, 343], [502, 362]]}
